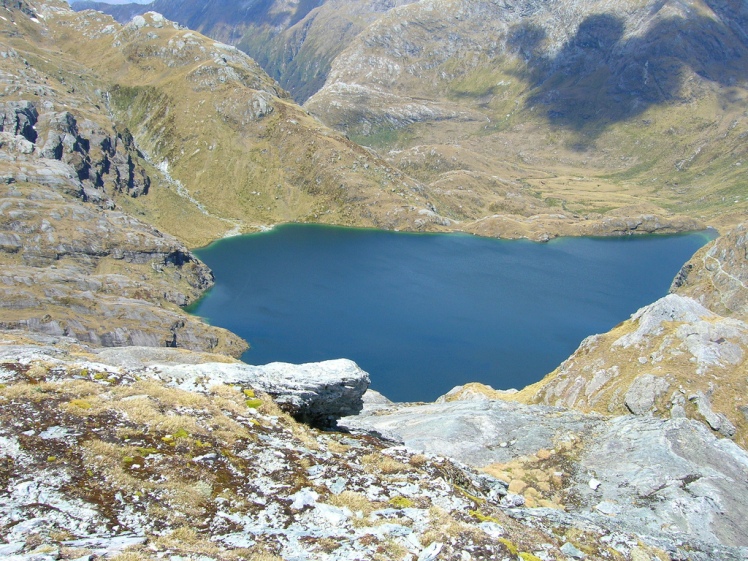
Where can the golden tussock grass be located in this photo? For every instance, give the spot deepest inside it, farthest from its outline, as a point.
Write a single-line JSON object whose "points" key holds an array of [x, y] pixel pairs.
{"points": [[167, 396], [391, 550], [380, 463], [186, 539], [132, 556], [355, 502], [336, 447], [443, 526]]}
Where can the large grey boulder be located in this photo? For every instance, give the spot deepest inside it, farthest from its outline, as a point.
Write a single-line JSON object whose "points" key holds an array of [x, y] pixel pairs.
{"points": [[644, 392], [316, 393]]}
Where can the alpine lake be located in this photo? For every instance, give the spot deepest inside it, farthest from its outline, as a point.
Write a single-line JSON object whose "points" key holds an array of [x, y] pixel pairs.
{"points": [[422, 313]]}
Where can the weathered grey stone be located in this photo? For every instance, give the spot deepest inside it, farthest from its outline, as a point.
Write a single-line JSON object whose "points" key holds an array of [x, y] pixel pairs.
{"points": [[716, 421], [373, 401], [316, 393], [512, 500], [643, 392], [19, 117], [668, 309], [572, 551], [666, 477], [670, 475], [59, 243], [475, 432]]}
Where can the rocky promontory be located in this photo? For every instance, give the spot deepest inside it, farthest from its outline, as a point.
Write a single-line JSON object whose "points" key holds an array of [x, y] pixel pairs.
{"points": [[717, 275]]}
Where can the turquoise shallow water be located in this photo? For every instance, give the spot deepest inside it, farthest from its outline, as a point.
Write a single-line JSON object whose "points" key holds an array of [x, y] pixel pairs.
{"points": [[424, 313]]}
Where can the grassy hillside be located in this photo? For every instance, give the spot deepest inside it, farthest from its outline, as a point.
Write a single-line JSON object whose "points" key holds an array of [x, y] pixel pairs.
{"points": [[294, 42], [594, 110], [226, 138]]}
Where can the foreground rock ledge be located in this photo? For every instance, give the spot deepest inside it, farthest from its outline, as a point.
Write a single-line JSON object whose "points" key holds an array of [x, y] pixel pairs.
{"points": [[316, 393]]}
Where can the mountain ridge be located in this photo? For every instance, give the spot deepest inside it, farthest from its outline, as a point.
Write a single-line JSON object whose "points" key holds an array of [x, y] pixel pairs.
{"points": [[577, 111]]}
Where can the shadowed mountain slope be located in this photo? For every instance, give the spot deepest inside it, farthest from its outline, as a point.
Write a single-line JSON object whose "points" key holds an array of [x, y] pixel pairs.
{"points": [[594, 108]]}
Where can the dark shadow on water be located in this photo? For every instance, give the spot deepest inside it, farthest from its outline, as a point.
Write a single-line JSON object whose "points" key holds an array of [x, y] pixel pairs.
{"points": [[601, 76]]}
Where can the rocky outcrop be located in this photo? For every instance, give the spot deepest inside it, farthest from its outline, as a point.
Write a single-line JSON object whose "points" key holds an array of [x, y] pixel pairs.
{"points": [[717, 276], [97, 460], [95, 162], [477, 431], [317, 393], [74, 269], [644, 392], [655, 363], [665, 479]]}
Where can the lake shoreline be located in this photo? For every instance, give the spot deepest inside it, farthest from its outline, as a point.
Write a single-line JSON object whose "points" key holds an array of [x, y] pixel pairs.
{"points": [[537, 228]]}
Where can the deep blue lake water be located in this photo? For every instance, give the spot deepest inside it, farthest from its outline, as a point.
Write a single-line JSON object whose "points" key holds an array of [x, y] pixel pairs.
{"points": [[423, 313]]}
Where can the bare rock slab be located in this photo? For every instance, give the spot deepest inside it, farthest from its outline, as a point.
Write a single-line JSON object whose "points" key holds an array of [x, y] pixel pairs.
{"points": [[316, 393], [665, 478]]}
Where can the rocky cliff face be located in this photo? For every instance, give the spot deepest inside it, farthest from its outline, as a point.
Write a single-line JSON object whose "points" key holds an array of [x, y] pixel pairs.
{"points": [[673, 358], [71, 268], [74, 263], [717, 276]]}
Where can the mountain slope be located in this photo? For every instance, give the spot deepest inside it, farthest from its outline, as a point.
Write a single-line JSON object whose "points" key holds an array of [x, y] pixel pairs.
{"points": [[76, 262], [594, 109], [294, 42], [228, 138]]}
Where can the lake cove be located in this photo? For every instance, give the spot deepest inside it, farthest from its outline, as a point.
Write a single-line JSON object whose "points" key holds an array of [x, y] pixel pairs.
{"points": [[423, 313]]}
